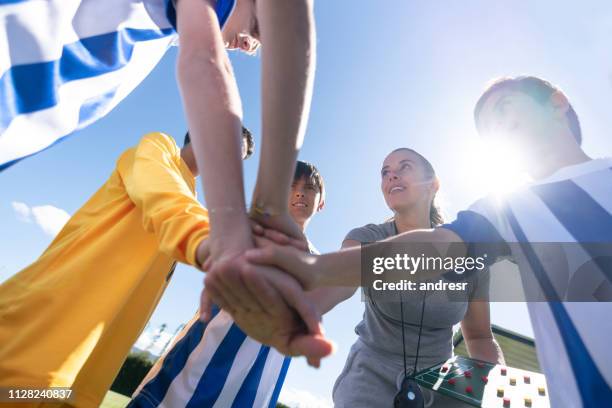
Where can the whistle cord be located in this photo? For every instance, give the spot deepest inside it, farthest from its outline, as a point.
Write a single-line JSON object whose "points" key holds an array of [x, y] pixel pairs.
{"points": [[416, 359]]}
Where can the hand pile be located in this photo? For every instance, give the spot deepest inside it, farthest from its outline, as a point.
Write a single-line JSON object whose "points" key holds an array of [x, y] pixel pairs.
{"points": [[254, 280]]}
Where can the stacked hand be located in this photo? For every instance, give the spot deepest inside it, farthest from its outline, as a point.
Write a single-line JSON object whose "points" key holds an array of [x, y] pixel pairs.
{"points": [[266, 303]]}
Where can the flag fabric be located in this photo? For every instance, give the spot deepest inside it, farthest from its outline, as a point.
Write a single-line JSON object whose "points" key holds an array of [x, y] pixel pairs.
{"points": [[66, 63]]}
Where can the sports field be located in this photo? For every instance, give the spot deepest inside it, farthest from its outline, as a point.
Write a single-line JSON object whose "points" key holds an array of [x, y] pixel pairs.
{"points": [[114, 400]]}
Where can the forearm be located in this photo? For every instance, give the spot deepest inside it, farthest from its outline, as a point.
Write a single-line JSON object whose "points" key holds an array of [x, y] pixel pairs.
{"points": [[288, 61], [341, 268], [214, 114], [326, 299], [486, 349], [344, 268]]}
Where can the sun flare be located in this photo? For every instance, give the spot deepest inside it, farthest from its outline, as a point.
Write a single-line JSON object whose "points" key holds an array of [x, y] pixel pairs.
{"points": [[496, 166]]}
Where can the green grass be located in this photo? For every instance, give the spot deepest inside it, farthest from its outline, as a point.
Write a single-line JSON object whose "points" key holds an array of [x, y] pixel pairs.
{"points": [[114, 400]]}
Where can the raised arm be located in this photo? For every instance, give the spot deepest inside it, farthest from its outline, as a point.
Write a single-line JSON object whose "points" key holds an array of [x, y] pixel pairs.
{"points": [[214, 114], [327, 298], [288, 63], [343, 268]]}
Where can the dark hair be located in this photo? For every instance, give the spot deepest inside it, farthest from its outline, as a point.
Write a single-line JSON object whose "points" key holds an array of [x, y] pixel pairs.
{"points": [[305, 170], [435, 214], [247, 138], [539, 89]]}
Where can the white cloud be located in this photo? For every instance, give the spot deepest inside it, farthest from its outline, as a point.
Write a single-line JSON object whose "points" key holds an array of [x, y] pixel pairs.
{"points": [[146, 338], [22, 210], [51, 219], [295, 398]]}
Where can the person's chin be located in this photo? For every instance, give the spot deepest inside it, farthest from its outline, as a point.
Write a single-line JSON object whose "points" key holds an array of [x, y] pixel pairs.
{"points": [[396, 202], [298, 213]]}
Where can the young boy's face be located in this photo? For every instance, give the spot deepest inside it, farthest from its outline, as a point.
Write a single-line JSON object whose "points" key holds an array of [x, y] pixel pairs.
{"points": [[515, 118], [241, 31], [304, 200]]}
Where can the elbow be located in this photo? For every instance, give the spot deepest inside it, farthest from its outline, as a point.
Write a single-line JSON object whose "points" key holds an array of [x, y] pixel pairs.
{"points": [[206, 78]]}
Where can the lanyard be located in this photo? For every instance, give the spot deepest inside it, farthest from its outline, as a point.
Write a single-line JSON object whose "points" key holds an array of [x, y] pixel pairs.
{"points": [[410, 395]]}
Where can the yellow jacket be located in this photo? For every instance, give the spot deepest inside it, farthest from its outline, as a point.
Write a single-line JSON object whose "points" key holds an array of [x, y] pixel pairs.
{"points": [[70, 318]]}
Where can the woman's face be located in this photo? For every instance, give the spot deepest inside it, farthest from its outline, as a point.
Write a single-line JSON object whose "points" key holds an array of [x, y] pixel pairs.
{"points": [[405, 183]]}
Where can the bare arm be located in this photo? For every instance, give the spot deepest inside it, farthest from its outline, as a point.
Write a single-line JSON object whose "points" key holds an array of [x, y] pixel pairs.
{"points": [[288, 63], [327, 298], [476, 329], [214, 114], [344, 267]]}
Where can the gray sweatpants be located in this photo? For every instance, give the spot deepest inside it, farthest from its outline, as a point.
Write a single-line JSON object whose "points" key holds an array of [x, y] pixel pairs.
{"points": [[370, 379]]}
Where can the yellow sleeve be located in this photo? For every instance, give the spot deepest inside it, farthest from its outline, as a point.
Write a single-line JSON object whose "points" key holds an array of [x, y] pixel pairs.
{"points": [[168, 203]]}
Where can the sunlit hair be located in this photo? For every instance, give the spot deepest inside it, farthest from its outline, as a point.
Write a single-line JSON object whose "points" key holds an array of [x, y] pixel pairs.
{"points": [[247, 138], [539, 89], [435, 214], [308, 171]]}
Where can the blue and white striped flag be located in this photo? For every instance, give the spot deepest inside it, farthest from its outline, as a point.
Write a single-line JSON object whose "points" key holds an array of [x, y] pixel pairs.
{"points": [[66, 63]]}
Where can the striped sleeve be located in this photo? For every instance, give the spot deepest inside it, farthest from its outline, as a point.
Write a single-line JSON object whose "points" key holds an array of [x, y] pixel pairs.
{"points": [[480, 234]]}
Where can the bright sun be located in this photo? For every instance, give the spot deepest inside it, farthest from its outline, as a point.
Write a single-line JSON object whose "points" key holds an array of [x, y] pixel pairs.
{"points": [[496, 167]]}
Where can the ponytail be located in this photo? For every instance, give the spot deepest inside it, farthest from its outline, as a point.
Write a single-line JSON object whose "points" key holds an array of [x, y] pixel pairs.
{"points": [[435, 214]]}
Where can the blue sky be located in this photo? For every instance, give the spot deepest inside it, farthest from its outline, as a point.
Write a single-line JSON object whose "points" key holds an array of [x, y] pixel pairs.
{"points": [[407, 74]]}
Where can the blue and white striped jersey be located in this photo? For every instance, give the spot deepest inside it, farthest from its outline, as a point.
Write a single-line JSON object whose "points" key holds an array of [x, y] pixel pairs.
{"points": [[66, 63], [574, 205], [213, 364]]}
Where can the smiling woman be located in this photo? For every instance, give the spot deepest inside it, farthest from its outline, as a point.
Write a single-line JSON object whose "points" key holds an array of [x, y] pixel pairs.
{"points": [[393, 328], [408, 178]]}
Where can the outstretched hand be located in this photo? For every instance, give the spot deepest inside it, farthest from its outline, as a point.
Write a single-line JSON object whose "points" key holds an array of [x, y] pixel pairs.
{"points": [[288, 321], [266, 303], [225, 275], [301, 265], [289, 337], [277, 237], [282, 223]]}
